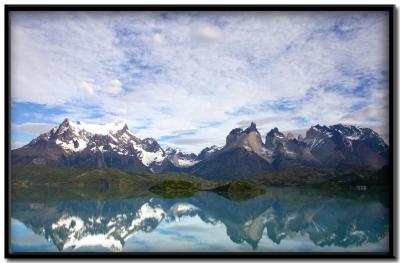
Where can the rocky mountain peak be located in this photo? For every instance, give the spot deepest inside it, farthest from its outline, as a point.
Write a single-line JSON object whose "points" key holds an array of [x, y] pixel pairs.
{"points": [[290, 136], [236, 131], [64, 126], [207, 152], [341, 143], [77, 144], [249, 139], [149, 140], [273, 138], [238, 134], [151, 145], [125, 128], [65, 121], [251, 128], [318, 131], [170, 150]]}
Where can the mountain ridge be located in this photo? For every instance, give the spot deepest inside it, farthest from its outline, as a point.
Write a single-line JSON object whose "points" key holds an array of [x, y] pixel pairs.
{"points": [[76, 144]]}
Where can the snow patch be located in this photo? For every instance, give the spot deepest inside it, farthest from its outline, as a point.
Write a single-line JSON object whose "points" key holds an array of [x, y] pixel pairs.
{"points": [[185, 162], [146, 157], [99, 129], [353, 137], [70, 145]]}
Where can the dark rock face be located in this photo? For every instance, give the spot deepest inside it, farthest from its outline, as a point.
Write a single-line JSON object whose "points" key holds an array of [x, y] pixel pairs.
{"points": [[150, 145], [243, 155], [273, 138], [41, 153], [236, 163], [344, 144], [233, 136], [251, 128], [250, 139], [293, 153], [288, 151]]}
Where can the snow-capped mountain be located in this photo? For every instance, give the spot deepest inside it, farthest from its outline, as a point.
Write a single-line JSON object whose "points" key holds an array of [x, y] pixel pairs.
{"points": [[244, 153], [339, 143], [75, 144]]}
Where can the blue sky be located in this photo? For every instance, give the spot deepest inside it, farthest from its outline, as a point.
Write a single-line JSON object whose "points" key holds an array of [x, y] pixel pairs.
{"points": [[187, 79]]}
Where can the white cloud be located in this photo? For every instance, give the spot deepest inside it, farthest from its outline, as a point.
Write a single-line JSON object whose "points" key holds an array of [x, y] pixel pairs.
{"points": [[34, 128], [157, 39], [113, 87], [207, 33], [244, 67], [86, 87], [53, 52]]}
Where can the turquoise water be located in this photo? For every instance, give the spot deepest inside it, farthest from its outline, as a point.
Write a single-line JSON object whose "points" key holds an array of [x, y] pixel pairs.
{"points": [[284, 219]]}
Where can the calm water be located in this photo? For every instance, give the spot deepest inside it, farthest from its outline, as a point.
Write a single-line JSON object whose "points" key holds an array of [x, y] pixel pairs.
{"points": [[284, 219]]}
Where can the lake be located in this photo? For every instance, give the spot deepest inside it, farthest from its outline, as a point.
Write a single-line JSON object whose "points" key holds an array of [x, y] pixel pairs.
{"points": [[283, 219]]}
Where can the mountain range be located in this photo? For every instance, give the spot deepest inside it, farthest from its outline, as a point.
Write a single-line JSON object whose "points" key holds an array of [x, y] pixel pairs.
{"points": [[75, 144]]}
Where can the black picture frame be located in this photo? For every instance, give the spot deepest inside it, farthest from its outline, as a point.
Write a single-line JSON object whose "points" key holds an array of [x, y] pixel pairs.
{"points": [[195, 255]]}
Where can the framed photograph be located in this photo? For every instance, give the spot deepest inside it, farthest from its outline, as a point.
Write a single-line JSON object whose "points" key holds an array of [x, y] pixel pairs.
{"points": [[199, 131]]}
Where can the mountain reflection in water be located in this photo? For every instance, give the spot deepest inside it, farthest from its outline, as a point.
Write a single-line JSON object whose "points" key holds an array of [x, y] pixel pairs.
{"points": [[284, 219]]}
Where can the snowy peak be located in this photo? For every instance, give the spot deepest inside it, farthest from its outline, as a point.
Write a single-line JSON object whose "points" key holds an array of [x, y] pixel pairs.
{"points": [[111, 128], [70, 137], [78, 128], [319, 131], [75, 136], [340, 131], [353, 132], [347, 144], [208, 152], [172, 151], [103, 145], [179, 158]]}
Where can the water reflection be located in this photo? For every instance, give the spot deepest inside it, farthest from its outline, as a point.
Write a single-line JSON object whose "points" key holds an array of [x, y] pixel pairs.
{"points": [[284, 219]]}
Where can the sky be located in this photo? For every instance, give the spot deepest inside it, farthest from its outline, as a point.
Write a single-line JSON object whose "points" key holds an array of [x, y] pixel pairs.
{"points": [[188, 78]]}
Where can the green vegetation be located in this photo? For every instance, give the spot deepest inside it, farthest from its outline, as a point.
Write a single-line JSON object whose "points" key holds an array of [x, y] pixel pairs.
{"points": [[341, 177], [239, 190], [35, 183], [175, 189]]}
